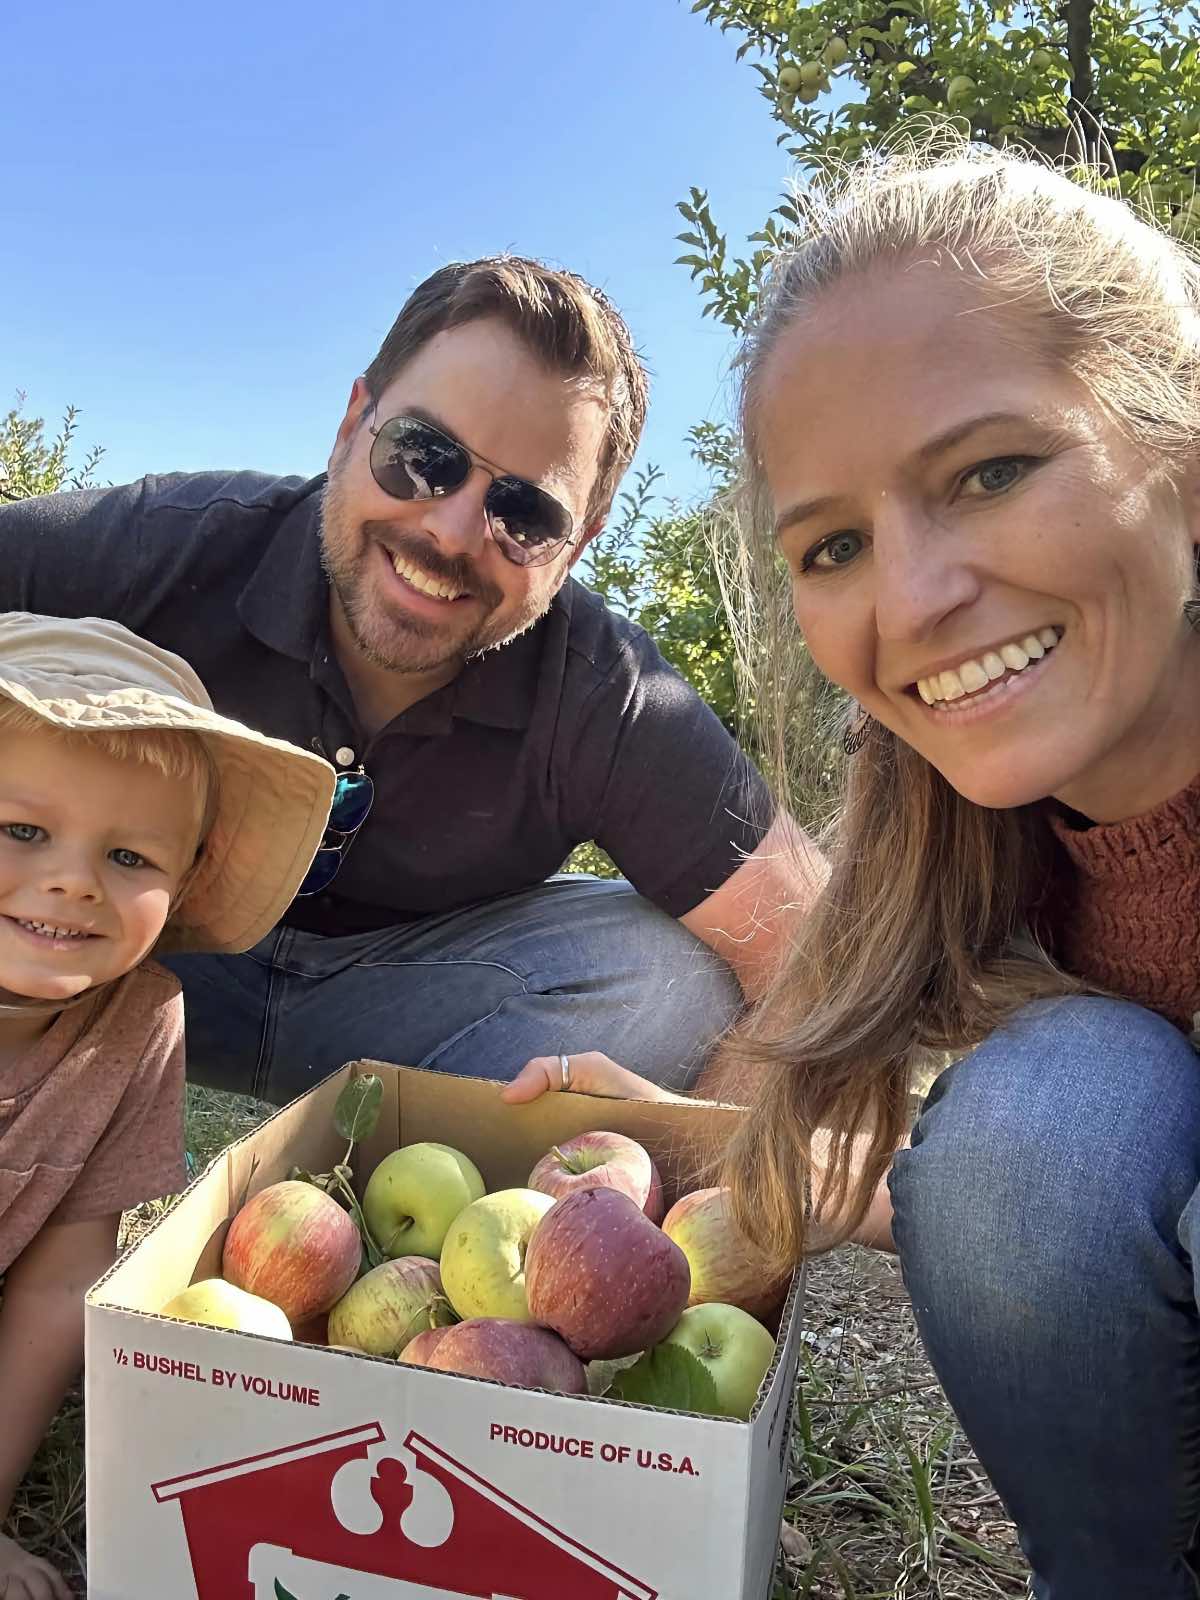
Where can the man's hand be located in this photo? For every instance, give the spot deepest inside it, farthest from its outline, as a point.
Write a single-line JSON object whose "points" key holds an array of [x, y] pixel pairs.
{"points": [[590, 1073], [26, 1577]]}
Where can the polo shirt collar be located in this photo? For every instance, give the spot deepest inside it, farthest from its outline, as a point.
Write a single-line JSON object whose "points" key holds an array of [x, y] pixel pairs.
{"points": [[285, 605]]}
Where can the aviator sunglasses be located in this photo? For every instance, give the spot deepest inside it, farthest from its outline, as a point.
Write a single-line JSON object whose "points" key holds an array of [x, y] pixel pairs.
{"points": [[413, 460], [353, 796]]}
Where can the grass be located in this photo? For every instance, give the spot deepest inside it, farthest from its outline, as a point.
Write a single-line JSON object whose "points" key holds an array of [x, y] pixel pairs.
{"points": [[885, 1499]]}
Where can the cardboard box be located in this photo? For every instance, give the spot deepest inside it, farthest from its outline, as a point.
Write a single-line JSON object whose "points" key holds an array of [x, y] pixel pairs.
{"points": [[225, 1466]]}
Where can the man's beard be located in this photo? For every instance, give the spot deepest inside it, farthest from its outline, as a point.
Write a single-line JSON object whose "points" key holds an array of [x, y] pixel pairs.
{"points": [[395, 639]]}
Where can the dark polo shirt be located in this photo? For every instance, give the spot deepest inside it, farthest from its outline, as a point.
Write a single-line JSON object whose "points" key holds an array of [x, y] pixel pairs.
{"points": [[577, 730]]}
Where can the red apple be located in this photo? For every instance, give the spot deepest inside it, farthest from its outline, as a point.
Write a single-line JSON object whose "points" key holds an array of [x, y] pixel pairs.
{"points": [[727, 1269], [600, 1160], [418, 1351], [601, 1274], [516, 1353], [294, 1246], [389, 1306]]}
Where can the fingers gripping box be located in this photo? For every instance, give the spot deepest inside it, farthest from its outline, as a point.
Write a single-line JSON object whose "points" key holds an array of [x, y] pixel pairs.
{"points": [[227, 1466]]}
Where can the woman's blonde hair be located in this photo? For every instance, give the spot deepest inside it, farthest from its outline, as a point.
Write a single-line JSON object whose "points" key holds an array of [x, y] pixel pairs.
{"points": [[920, 941]]}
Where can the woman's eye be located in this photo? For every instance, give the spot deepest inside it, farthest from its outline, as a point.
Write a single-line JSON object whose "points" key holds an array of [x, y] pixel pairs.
{"points": [[127, 858], [21, 832], [836, 551], [995, 476]]}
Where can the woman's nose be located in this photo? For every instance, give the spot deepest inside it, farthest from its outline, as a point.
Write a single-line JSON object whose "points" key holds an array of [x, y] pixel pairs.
{"points": [[921, 575]]}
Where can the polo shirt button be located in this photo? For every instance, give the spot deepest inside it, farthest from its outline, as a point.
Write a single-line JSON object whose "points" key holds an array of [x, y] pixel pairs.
{"points": [[345, 756]]}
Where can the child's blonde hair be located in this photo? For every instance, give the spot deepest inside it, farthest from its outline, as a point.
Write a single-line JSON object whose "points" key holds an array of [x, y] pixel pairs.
{"points": [[175, 752]]}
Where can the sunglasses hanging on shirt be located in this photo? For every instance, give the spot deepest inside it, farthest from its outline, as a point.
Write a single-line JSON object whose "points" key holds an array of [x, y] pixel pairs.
{"points": [[353, 797]]}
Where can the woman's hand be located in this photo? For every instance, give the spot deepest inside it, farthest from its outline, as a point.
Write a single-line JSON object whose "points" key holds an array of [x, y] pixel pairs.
{"points": [[588, 1073], [26, 1577]]}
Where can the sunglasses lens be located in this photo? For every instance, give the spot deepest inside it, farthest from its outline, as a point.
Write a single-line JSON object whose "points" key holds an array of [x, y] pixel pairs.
{"points": [[352, 800], [412, 461], [323, 871], [528, 524]]}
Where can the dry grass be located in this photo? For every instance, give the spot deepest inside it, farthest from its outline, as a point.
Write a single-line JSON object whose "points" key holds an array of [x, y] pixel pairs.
{"points": [[886, 1500]]}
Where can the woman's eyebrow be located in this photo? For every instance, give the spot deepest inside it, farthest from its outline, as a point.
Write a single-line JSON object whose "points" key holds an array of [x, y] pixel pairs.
{"points": [[938, 445]]}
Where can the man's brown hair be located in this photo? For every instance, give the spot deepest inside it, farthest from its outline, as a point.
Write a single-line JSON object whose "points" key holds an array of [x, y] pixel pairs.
{"points": [[573, 328]]}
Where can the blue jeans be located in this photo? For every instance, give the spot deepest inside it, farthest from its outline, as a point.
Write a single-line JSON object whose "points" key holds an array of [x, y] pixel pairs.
{"points": [[575, 964], [1048, 1222]]}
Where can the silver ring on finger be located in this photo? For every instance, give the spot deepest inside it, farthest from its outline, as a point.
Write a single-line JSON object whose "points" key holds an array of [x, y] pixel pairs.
{"points": [[565, 1064]]}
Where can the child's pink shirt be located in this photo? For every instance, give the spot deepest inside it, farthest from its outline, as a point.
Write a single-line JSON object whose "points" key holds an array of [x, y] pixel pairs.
{"points": [[91, 1120]]}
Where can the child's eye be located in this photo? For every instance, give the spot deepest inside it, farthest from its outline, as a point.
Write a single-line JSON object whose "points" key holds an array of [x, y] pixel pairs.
{"points": [[22, 832], [838, 550], [127, 858]]}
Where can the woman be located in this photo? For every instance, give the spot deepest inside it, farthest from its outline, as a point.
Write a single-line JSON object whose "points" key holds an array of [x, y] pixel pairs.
{"points": [[972, 417], [972, 425]]}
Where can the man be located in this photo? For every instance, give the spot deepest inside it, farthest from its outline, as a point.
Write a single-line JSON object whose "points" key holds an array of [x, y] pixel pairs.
{"points": [[411, 617]]}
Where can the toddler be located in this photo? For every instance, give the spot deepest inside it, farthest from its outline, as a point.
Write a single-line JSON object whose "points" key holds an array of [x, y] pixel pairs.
{"points": [[132, 818]]}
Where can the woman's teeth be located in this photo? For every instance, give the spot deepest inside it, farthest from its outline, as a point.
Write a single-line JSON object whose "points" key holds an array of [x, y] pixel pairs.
{"points": [[422, 584], [978, 672]]}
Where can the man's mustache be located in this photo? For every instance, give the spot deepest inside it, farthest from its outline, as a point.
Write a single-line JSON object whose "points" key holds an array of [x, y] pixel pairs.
{"points": [[456, 572]]}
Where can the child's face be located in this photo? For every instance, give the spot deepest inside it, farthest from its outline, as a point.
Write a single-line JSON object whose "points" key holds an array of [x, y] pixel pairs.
{"points": [[92, 851]]}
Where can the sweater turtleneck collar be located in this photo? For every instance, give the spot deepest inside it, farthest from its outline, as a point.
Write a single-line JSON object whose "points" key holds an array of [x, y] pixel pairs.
{"points": [[1131, 921]]}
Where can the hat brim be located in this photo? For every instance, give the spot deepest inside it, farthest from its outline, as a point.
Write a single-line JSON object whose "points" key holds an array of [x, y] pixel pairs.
{"points": [[272, 808]]}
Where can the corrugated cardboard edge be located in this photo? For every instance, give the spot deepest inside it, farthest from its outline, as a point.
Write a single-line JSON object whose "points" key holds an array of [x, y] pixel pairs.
{"points": [[390, 1132]]}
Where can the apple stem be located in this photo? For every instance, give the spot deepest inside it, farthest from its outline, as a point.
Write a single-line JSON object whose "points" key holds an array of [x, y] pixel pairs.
{"points": [[341, 1176]]}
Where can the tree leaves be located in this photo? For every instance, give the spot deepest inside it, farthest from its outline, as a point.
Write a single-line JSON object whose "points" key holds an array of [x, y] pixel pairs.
{"points": [[1136, 68]]}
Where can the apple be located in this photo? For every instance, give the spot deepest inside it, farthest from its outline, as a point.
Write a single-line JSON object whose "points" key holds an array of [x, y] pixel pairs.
{"points": [[295, 1246], [593, 1160], [414, 1195], [483, 1258], [736, 1349], [389, 1306], [790, 79], [601, 1275], [418, 1351], [724, 1264], [960, 90], [224, 1305], [835, 52], [516, 1353]]}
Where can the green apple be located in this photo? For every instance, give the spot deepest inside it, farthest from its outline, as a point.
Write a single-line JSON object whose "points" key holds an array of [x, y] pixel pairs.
{"points": [[789, 79], [483, 1258], [414, 1195], [736, 1349], [224, 1305], [812, 73], [835, 52], [960, 90]]}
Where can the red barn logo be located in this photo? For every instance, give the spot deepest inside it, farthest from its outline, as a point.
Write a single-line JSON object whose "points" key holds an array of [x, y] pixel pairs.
{"points": [[349, 1517]]}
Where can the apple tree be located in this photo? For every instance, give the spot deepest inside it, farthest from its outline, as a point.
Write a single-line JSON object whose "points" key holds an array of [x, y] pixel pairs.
{"points": [[1112, 80]]}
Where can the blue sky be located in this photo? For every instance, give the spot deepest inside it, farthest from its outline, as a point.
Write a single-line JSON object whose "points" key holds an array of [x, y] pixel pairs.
{"points": [[213, 212]]}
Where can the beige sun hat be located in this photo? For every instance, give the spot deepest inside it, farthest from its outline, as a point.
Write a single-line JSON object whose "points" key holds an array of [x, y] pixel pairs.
{"points": [[273, 798]]}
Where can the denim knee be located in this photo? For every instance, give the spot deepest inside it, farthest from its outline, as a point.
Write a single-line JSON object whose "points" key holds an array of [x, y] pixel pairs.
{"points": [[1050, 1168]]}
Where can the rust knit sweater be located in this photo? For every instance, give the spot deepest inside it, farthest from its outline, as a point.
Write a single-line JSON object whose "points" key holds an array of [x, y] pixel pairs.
{"points": [[1129, 920]]}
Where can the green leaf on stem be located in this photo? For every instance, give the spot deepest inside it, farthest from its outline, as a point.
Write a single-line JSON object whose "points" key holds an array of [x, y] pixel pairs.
{"points": [[357, 1110], [670, 1377]]}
